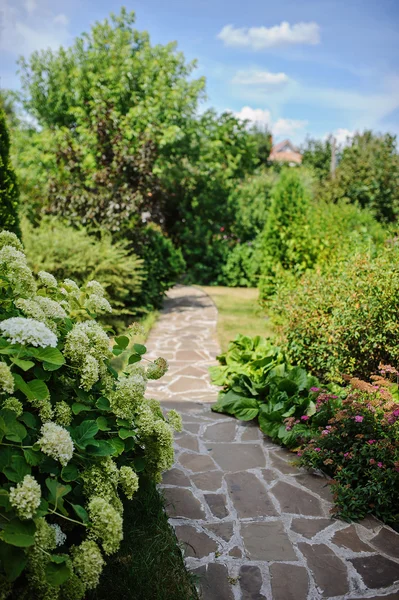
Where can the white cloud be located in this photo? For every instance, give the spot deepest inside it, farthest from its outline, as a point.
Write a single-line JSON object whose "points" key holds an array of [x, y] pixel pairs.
{"points": [[342, 136], [30, 6], [258, 38], [264, 78], [34, 28], [263, 118]]}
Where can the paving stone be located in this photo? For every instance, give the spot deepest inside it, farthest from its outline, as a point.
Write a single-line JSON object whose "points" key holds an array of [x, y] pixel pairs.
{"points": [[235, 552], [176, 477], [217, 504], [289, 582], [189, 356], [249, 496], [210, 481], [193, 371], [188, 441], [309, 527], [267, 541], [376, 571], [195, 543], [387, 541], [282, 465], [238, 457], [348, 538], [188, 384], [394, 596], [269, 475], [192, 427], [297, 501], [180, 502], [222, 530], [196, 462], [221, 432], [318, 485], [214, 583], [329, 572], [250, 433], [251, 583]]}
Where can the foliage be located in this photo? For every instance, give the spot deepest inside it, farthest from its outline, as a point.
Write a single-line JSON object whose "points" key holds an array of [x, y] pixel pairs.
{"points": [[287, 239], [368, 174], [316, 154], [359, 448], [259, 383], [264, 143], [163, 262], [9, 194], [79, 256], [109, 128], [242, 268], [74, 433], [343, 320]]}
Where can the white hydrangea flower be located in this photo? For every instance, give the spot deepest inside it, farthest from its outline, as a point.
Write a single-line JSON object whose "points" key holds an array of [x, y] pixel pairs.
{"points": [[6, 379], [88, 563], [7, 238], [47, 279], [51, 308], [28, 332], [97, 304], [14, 267], [95, 288], [56, 442], [90, 373], [26, 497], [60, 536]]}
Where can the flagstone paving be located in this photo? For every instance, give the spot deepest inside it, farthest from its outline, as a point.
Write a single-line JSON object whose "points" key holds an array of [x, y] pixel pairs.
{"points": [[252, 526]]}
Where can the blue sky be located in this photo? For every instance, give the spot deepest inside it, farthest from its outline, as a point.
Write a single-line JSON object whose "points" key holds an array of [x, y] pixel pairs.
{"points": [[308, 67]]}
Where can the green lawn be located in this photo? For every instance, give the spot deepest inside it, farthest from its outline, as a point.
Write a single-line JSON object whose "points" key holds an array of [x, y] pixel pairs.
{"points": [[149, 565], [239, 312]]}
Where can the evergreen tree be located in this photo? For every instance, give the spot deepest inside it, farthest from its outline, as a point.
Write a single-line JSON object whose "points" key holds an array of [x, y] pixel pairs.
{"points": [[9, 194]]}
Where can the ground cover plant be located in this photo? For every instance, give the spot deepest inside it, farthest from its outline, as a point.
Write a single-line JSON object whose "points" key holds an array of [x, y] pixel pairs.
{"points": [[74, 432]]}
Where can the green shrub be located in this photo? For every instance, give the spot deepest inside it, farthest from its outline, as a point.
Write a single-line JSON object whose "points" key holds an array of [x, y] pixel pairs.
{"points": [[9, 194], [345, 320], [242, 268], [75, 433], [359, 448], [163, 262], [288, 242], [77, 255]]}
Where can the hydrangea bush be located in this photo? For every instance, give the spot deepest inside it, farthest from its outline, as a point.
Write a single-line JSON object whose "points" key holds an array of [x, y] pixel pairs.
{"points": [[74, 434]]}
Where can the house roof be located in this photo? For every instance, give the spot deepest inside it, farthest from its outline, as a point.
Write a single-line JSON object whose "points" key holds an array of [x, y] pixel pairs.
{"points": [[281, 153]]}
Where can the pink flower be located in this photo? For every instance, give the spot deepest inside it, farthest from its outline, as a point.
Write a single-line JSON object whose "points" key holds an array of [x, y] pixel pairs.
{"points": [[372, 461], [325, 432], [299, 454], [379, 464], [346, 454], [304, 417], [288, 428], [371, 442], [359, 418], [317, 449], [314, 389]]}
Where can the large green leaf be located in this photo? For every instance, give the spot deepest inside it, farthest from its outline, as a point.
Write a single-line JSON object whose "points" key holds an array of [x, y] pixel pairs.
{"points": [[12, 429], [57, 491], [70, 472], [49, 355], [140, 349], [13, 560], [102, 448], [19, 533], [81, 513], [25, 365], [246, 409], [122, 341], [33, 390], [84, 433], [17, 468], [299, 376], [57, 573]]}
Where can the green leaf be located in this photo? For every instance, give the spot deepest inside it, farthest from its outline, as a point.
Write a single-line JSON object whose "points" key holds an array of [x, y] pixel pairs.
{"points": [[246, 409], [118, 445], [102, 424], [25, 365], [126, 433], [123, 423], [49, 465], [116, 351], [298, 376], [58, 559], [84, 433], [4, 499], [50, 355], [19, 533], [81, 513], [57, 491], [13, 560], [57, 574], [13, 429], [78, 407], [103, 404], [32, 457], [43, 508], [139, 348], [139, 464], [70, 472], [122, 341], [311, 408], [17, 469], [30, 420], [102, 448], [133, 358]]}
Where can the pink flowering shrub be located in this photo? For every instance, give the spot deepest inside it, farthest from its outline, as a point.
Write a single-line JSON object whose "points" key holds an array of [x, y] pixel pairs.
{"points": [[359, 447]]}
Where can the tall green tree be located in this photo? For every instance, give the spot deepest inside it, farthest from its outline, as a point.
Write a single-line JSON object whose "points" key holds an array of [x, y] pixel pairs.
{"points": [[9, 194], [316, 154]]}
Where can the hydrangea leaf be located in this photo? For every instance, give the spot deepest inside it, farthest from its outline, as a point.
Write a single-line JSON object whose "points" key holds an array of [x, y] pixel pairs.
{"points": [[139, 348], [70, 472], [25, 365], [13, 560], [122, 341], [57, 574], [19, 533], [84, 433]]}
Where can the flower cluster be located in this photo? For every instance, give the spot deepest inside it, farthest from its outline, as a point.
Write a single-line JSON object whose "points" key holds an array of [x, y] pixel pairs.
{"points": [[127, 395], [128, 481], [106, 524], [88, 339], [18, 330], [56, 442], [13, 404], [157, 369], [26, 497], [88, 563], [47, 279], [6, 379], [60, 536]]}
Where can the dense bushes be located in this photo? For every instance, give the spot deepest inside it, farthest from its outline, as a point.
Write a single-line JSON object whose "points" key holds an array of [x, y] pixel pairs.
{"points": [[75, 432], [75, 254], [345, 320], [9, 195]]}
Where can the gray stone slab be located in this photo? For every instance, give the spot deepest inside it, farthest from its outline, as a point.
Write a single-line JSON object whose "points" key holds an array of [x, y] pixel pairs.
{"points": [[222, 530], [190, 442], [294, 500], [387, 541], [348, 538], [217, 504], [318, 485], [214, 583], [377, 571], [289, 582], [196, 462], [195, 543], [282, 465], [221, 432], [175, 477], [251, 583], [249, 496], [180, 502], [267, 541], [329, 572], [209, 481], [310, 527], [237, 457], [250, 433]]}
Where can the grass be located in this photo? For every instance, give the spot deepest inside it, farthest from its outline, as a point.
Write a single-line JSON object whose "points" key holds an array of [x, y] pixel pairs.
{"points": [[149, 565], [239, 312]]}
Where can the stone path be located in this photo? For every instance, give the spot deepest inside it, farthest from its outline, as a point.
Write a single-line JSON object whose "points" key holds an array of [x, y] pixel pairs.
{"points": [[251, 525]]}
